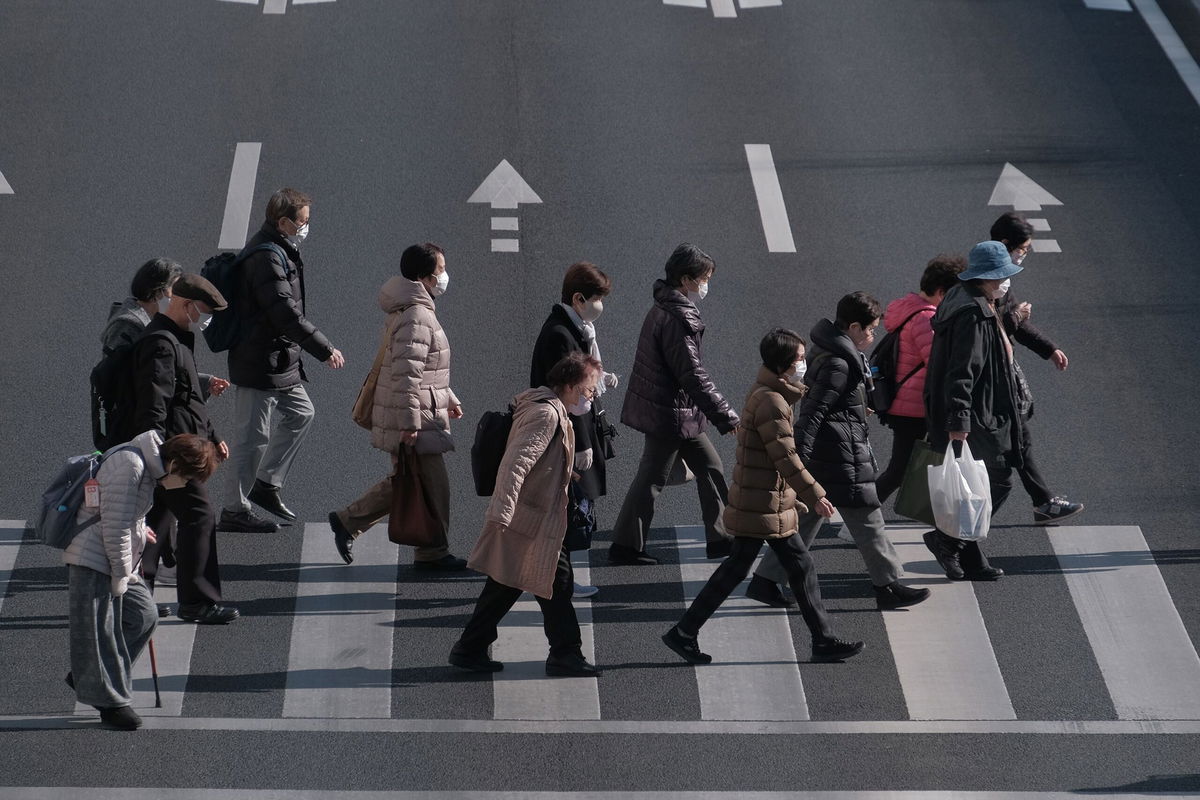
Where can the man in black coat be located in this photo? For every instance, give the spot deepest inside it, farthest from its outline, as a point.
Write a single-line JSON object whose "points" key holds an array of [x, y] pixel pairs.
{"points": [[265, 366], [833, 441], [170, 400], [971, 391]]}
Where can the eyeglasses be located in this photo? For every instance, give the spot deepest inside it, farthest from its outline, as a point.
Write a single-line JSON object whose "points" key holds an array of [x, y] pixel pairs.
{"points": [[589, 392]]}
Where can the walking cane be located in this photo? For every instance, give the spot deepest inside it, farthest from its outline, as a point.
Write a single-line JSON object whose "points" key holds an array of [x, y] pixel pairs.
{"points": [[154, 675]]}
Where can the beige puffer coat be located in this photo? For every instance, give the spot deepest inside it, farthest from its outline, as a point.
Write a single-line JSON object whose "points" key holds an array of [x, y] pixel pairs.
{"points": [[769, 474], [526, 521], [413, 393]]}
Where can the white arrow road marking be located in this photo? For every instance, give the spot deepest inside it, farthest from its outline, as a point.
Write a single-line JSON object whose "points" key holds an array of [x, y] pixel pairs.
{"points": [[724, 8], [505, 224], [776, 226], [274, 6], [744, 4], [5, 187], [506, 246], [1039, 225], [1172, 45], [236, 225], [1015, 188], [1108, 5], [504, 188]]}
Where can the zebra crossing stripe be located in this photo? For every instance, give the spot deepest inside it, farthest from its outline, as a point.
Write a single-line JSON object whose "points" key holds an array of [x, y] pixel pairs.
{"points": [[95, 793], [943, 654], [1148, 661], [522, 690], [12, 531], [754, 674], [340, 658]]}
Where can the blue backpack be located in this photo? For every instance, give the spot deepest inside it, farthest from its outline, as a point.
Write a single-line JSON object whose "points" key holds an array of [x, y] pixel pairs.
{"points": [[222, 271], [56, 520]]}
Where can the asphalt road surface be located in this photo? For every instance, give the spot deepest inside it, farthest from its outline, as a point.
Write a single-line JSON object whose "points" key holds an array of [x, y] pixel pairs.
{"points": [[813, 147]]}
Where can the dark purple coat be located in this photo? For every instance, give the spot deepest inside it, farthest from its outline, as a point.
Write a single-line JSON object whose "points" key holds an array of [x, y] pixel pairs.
{"points": [[669, 394]]}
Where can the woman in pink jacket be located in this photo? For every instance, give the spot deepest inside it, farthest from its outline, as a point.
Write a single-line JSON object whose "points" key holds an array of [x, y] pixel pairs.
{"points": [[521, 547], [906, 417]]}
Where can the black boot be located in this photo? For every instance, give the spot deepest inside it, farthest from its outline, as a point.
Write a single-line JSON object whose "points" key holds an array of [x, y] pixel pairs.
{"points": [[946, 550], [975, 565]]}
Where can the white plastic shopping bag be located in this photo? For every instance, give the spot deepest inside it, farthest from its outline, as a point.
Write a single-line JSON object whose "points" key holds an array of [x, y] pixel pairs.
{"points": [[961, 496]]}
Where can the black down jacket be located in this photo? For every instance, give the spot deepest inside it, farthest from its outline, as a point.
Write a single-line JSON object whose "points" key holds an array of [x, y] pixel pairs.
{"points": [[831, 427], [270, 305], [970, 385], [170, 397], [669, 393]]}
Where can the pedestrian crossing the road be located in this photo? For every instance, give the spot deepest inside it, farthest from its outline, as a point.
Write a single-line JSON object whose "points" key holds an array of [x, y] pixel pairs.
{"points": [[945, 660]]}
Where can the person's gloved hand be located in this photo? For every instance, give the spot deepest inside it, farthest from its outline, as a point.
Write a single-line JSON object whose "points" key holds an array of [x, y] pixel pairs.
{"points": [[611, 380], [583, 460], [119, 585]]}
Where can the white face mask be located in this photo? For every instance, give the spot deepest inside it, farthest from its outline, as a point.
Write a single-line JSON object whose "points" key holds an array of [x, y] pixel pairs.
{"points": [[700, 294], [299, 236], [796, 377], [580, 407], [163, 304], [1002, 289], [200, 323], [591, 311], [439, 288]]}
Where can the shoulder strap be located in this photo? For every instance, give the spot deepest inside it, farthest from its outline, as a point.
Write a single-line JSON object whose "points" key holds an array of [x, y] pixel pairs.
{"points": [[906, 320]]}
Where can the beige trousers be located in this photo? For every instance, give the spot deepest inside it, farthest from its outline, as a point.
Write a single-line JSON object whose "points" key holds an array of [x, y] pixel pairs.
{"points": [[376, 504]]}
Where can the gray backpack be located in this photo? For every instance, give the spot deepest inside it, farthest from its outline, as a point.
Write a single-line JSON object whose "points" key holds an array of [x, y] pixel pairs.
{"points": [[56, 520]]}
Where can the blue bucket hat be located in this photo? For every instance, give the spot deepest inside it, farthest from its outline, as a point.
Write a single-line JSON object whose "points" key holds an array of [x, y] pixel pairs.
{"points": [[989, 261]]}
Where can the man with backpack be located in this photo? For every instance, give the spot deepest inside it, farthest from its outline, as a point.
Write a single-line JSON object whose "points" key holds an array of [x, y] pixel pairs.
{"points": [[265, 367], [907, 322], [170, 400]]}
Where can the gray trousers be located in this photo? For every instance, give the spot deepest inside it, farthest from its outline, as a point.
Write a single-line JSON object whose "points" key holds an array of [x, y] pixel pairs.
{"points": [[107, 634], [866, 526], [263, 448]]}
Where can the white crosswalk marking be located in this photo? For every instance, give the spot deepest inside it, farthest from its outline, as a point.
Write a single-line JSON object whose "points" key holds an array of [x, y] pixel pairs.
{"points": [[340, 662], [522, 690], [754, 674], [943, 655], [1149, 664], [12, 531]]}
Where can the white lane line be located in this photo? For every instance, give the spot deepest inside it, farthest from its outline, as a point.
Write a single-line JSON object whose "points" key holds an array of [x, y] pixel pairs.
{"points": [[1105, 727], [776, 226], [505, 245], [688, 3], [1148, 661], [943, 655], [754, 674], [744, 4], [505, 224], [1039, 225], [72, 793], [1108, 5], [309, 2], [723, 8], [1171, 44], [5, 186], [274, 6], [1046, 246], [522, 691], [340, 660], [236, 225], [12, 531], [244, 2]]}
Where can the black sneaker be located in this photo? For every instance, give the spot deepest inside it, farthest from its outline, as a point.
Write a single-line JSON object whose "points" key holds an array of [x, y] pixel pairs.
{"points": [[988, 573], [245, 522], [447, 563], [946, 550], [210, 614], [1058, 509], [474, 662], [718, 549], [685, 648], [835, 650], [571, 666], [121, 718], [769, 594], [897, 595], [343, 540], [626, 556]]}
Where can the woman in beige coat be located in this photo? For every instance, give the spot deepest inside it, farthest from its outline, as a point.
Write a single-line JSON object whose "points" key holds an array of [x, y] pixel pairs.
{"points": [[771, 487], [413, 404], [521, 547]]}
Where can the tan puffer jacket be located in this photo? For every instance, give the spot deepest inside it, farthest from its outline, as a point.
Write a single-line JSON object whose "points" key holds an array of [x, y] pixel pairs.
{"points": [[769, 475], [413, 393]]}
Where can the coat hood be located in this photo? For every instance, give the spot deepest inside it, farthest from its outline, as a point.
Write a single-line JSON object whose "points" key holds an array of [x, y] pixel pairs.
{"points": [[676, 303], [776, 383], [400, 291], [829, 337], [538, 394], [961, 299], [903, 308]]}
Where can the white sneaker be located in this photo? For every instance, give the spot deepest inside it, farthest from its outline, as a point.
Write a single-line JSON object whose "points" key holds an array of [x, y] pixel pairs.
{"points": [[585, 591], [165, 576]]}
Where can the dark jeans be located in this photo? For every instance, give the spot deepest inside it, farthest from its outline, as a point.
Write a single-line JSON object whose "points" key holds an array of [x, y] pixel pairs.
{"points": [[1031, 476], [905, 433], [802, 575], [658, 457], [198, 573], [558, 615]]}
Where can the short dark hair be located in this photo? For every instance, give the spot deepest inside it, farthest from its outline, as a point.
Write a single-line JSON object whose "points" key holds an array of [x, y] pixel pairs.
{"points": [[420, 260], [1011, 228], [941, 273], [153, 278], [857, 307], [194, 457], [585, 279], [286, 203], [688, 261], [778, 349], [572, 369]]}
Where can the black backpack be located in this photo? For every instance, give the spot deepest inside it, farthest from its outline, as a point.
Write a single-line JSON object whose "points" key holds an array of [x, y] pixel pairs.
{"points": [[487, 451], [113, 396], [884, 361], [225, 329]]}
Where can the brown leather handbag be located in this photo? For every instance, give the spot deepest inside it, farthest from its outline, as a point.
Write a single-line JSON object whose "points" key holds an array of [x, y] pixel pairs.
{"points": [[364, 404], [413, 521]]}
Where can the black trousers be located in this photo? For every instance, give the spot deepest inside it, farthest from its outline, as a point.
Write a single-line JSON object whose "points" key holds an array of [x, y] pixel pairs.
{"points": [[558, 614], [802, 576], [658, 457], [1001, 485], [197, 571], [905, 433], [1030, 475], [160, 520]]}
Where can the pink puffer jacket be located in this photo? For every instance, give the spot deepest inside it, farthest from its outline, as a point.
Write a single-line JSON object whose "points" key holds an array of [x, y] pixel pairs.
{"points": [[915, 342]]}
